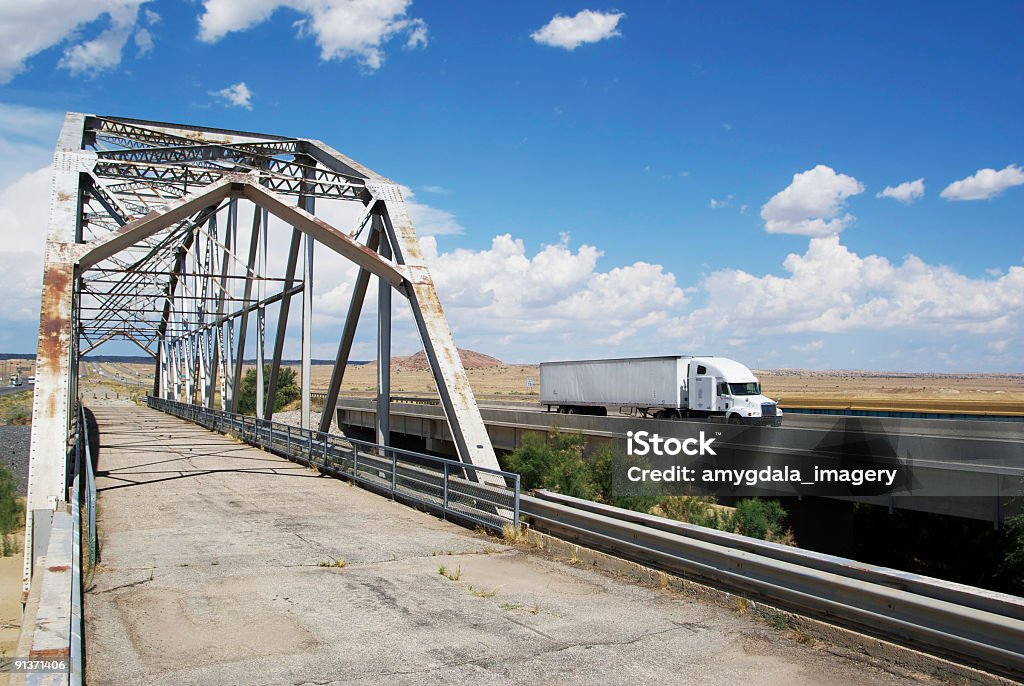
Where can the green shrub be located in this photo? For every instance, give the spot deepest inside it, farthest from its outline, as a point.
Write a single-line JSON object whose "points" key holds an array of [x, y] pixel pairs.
{"points": [[287, 389], [694, 509], [12, 513], [760, 518], [754, 517], [1013, 559], [555, 462]]}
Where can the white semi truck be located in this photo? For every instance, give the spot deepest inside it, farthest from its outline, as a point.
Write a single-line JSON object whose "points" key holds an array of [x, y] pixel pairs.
{"points": [[671, 387]]}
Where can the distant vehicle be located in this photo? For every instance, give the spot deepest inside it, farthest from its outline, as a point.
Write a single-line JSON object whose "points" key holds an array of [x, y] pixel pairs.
{"points": [[671, 387], [15, 380], [31, 381]]}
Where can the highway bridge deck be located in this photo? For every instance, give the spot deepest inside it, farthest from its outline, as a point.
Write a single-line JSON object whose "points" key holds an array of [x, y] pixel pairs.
{"points": [[211, 574]]}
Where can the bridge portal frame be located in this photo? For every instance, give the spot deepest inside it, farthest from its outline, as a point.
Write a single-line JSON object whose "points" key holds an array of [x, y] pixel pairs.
{"points": [[134, 252]]}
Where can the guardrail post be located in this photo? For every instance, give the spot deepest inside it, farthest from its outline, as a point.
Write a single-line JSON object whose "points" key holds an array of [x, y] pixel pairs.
{"points": [[394, 472], [355, 461], [444, 502], [515, 515]]}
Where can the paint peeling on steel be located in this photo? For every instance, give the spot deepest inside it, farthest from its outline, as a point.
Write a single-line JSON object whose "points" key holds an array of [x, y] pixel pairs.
{"points": [[51, 419], [463, 414]]}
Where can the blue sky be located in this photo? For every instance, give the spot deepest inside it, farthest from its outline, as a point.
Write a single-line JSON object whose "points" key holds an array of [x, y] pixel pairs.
{"points": [[671, 177]]}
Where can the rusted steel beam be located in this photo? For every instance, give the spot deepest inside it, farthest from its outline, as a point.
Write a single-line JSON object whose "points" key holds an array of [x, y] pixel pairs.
{"points": [[56, 355]]}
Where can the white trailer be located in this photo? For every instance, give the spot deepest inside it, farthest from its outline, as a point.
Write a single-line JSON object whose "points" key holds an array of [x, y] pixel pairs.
{"points": [[667, 387]]}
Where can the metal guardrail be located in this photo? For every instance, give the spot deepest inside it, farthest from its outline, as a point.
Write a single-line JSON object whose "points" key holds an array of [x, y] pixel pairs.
{"points": [[976, 411], [86, 475], [84, 540], [453, 489], [952, 621], [57, 635]]}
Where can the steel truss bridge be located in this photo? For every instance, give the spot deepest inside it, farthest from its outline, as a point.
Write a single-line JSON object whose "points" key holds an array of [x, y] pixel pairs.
{"points": [[181, 240]]}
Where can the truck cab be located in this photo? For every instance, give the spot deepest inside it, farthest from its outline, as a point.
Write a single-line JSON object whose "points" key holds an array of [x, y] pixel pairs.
{"points": [[724, 387]]}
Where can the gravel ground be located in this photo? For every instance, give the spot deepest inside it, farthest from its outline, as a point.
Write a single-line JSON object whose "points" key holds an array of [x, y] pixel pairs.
{"points": [[14, 453], [294, 417]]}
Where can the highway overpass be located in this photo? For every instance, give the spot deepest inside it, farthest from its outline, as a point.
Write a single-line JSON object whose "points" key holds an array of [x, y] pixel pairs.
{"points": [[964, 468]]}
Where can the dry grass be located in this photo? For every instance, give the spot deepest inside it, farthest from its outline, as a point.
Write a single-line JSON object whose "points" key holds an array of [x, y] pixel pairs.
{"points": [[797, 387], [16, 408], [452, 574], [338, 563], [513, 534]]}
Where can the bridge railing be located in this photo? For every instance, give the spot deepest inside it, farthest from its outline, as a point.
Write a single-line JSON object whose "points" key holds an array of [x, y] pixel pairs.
{"points": [[56, 623], [453, 489]]}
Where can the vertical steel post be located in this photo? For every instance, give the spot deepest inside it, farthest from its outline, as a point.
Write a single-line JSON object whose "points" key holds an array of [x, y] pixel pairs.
{"points": [[515, 515], [306, 202], [52, 401], [384, 351], [243, 325], [229, 334], [261, 318], [444, 500], [219, 371], [282, 322], [355, 308]]}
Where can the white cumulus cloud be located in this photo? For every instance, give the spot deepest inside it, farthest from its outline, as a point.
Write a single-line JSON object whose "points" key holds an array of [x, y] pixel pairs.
{"points": [[342, 29], [587, 26], [24, 212], [504, 294], [984, 184], [830, 289], [236, 95], [103, 52], [905, 193], [811, 204], [28, 28]]}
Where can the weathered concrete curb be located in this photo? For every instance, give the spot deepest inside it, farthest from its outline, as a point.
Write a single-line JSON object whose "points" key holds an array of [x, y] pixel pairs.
{"points": [[881, 654]]}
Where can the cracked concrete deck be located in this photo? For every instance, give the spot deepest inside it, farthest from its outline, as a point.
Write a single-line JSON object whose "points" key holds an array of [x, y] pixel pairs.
{"points": [[210, 574]]}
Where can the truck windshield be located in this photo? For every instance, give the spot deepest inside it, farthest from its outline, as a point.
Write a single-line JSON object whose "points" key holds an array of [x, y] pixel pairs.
{"points": [[753, 388]]}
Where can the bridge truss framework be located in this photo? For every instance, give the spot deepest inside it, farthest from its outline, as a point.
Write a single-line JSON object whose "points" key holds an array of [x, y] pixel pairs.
{"points": [[159, 235]]}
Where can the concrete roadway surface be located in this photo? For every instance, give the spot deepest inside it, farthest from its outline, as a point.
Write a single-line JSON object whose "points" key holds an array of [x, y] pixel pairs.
{"points": [[210, 574]]}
